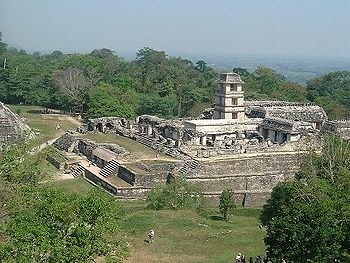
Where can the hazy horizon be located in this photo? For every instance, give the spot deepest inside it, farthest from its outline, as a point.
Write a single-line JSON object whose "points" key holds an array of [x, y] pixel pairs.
{"points": [[290, 28]]}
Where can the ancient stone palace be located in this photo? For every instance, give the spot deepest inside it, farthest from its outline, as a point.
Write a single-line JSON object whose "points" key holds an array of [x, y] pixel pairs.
{"points": [[248, 146]]}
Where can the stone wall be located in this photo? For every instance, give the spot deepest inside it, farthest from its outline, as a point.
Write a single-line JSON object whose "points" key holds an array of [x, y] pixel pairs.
{"points": [[57, 162], [133, 192], [86, 147], [149, 176], [100, 181], [121, 192], [126, 174], [252, 178]]}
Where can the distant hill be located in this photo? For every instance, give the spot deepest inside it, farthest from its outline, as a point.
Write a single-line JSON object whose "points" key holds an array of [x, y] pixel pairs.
{"points": [[298, 69]]}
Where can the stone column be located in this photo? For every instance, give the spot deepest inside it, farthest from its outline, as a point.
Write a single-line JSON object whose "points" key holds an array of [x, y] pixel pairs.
{"points": [[204, 140], [149, 130], [198, 141]]}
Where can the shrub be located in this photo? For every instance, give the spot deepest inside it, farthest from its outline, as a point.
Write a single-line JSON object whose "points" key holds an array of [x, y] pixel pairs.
{"points": [[227, 203], [178, 194]]}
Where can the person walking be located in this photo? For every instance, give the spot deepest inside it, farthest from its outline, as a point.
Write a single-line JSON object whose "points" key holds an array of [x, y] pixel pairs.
{"points": [[151, 235]]}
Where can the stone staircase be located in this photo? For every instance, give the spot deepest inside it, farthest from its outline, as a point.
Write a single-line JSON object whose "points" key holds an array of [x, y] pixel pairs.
{"points": [[110, 168], [78, 170], [159, 146], [189, 166], [146, 140]]}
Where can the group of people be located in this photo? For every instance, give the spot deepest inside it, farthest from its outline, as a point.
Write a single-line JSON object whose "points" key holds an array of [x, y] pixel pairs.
{"points": [[241, 259]]}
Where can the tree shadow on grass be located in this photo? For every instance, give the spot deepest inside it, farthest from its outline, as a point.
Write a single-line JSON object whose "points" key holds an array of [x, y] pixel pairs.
{"points": [[36, 111], [217, 217]]}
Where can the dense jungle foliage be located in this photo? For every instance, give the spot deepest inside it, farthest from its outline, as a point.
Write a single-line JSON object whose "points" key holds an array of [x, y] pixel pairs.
{"points": [[308, 219], [103, 84]]}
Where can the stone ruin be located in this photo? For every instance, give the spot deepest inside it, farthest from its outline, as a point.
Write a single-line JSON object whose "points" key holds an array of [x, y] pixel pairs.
{"points": [[12, 127], [248, 146]]}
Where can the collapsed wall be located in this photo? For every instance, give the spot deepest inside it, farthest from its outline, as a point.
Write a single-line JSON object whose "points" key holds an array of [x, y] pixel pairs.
{"points": [[339, 127]]}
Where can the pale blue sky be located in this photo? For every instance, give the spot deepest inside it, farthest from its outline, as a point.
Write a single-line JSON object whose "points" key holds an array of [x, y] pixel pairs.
{"points": [[318, 28]]}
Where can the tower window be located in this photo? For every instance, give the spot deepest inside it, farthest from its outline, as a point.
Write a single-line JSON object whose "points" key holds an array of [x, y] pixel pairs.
{"points": [[234, 101], [233, 87], [234, 115]]}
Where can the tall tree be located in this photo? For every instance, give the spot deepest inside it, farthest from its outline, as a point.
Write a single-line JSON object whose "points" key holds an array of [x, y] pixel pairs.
{"points": [[74, 84], [308, 220], [332, 91], [227, 203], [51, 225]]}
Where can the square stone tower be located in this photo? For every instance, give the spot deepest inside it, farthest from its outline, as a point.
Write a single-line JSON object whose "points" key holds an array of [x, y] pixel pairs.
{"points": [[229, 97]]}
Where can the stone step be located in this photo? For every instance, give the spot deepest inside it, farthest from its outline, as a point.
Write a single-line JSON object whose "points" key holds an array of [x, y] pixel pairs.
{"points": [[109, 169], [77, 171]]}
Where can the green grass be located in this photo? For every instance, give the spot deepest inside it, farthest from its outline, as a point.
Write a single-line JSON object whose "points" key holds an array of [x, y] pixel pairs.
{"points": [[77, 185], [127, 143], [43, 124], [184, 236]]}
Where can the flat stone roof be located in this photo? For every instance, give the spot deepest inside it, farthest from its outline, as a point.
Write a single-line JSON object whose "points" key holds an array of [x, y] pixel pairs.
{"points": [[222, 126], [218, 122]]}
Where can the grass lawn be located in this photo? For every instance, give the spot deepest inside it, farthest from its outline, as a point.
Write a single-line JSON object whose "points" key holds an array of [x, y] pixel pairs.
{"points": [[127, 143], [184, 236], [44, 124], [77, 185]]}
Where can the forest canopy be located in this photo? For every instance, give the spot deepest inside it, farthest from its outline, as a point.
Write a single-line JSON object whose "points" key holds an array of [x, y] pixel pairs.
{"points": [[101, 83]]}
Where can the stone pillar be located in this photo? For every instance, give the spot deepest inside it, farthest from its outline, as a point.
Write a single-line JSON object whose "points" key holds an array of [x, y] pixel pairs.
{"points": [[197, 141], [149, 130], [204, 140]]}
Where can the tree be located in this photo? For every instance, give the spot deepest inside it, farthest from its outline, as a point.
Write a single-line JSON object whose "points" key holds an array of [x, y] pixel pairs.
{"points": [[308, 220], [19, 167], [111, 101], [178, 194], [241, 71], [73, 83], [52, 225], [332, 92], [227, 203], [201, 65], [266, 84]]}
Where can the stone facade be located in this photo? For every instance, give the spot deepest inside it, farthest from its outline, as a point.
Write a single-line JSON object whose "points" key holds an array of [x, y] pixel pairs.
{"points": [[12, 127], [229, 98]]}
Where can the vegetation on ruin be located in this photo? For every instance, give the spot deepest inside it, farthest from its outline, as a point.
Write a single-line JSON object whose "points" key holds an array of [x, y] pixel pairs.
{"points": [[308, 220], [103, 84]]}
